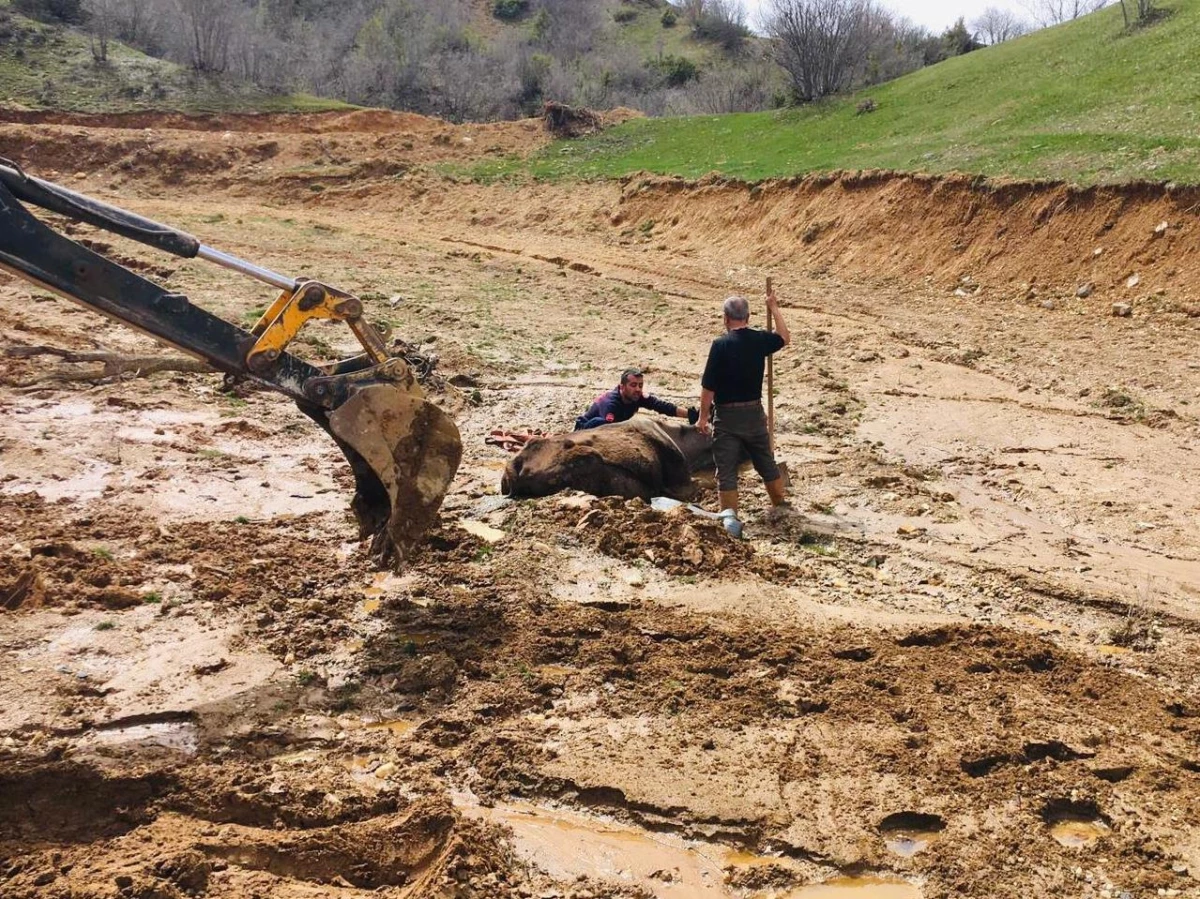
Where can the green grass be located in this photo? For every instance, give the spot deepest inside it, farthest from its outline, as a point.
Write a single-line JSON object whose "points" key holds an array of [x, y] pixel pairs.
{"points": [[1086, 101], [48, 67], [652, 40]]}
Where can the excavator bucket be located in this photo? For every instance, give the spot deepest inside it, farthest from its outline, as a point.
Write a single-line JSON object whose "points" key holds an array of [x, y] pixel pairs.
{"points": [[404, 451]]}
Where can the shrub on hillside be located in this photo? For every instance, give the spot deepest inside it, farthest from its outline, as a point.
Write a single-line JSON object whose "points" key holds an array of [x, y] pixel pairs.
{"points": [[675, 70], [731, 88], [509, 9], [624, 14], [68, 11], [669, 18], [723, 27]]}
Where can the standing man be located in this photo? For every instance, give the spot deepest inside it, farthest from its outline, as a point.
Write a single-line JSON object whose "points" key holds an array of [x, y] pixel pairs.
{"points": [[731, 399], [620, 404]]}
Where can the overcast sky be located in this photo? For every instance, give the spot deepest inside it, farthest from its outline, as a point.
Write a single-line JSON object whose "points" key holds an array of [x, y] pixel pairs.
{"points": [[933, 14]]}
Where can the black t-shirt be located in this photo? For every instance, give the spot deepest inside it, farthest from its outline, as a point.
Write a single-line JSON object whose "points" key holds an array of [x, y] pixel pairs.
{"points": [[736, 360]]}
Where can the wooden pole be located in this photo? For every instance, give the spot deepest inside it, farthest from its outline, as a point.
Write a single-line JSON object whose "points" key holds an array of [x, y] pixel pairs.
{"points": [[770, 377]]}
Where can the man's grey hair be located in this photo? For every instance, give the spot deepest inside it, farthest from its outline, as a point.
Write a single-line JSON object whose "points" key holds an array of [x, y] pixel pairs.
{"points": [[737, 309]]}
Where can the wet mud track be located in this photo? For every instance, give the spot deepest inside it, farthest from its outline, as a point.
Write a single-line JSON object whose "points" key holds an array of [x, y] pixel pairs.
{"points": [[965, 669]]}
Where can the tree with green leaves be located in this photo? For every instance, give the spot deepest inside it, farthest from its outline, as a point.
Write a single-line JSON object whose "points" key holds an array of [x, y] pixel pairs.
{"points": [[958, 39]]}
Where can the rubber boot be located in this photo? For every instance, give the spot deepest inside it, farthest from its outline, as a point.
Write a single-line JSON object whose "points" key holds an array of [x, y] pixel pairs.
{"points": [[776, 492], [729, 500]]}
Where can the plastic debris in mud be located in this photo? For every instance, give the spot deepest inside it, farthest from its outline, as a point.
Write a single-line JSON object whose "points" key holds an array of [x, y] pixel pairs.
{"points": [[727, 517], [176, 736], [482, 531]]}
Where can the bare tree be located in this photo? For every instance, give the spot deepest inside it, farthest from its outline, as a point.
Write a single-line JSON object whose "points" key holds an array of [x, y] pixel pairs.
{"points": [[692, 10], [102, 20], [821, 44], [1052, 12], [996, 24], [207, 29], [732, 12], [132, 21], [569, 28], [723, 22], [259, 55], [1143, 10], [469, 85], [895, 47], [729, 88]]}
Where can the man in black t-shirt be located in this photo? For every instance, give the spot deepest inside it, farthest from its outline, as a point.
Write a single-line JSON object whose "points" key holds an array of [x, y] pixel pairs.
{"points": [[731, 399]]}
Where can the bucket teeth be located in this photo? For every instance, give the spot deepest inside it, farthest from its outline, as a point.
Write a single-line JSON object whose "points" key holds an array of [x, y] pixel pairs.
{"points": [[404, 451]]}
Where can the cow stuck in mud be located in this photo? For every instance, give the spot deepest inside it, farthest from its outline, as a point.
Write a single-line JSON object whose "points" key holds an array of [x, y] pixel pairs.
{"points": [[641, 458]]}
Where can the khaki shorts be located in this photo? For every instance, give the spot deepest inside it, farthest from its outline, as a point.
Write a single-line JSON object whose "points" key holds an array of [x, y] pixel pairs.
{"points": [[738, 432]]}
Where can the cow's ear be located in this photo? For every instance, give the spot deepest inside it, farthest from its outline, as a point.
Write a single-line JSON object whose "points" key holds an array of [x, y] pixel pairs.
{"points": [[675, 471]]}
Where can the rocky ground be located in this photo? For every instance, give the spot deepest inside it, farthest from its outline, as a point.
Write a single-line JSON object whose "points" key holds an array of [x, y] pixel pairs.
{"points": [[966, 669]]}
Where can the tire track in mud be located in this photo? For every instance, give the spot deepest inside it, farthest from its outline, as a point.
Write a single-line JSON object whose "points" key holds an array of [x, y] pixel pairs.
{"points": [[195, 831], [713, 288]]}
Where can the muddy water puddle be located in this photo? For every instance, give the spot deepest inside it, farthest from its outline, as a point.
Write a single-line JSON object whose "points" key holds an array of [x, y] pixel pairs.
{"points": [[907, 833], [566, 844], [384, 584], [865, 887], [1043, 624], [1076, 833], [400, 727], [906, 845]]}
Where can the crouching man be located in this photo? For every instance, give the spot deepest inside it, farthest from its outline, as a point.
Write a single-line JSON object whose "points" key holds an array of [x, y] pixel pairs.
{"points": [[623, 401]]}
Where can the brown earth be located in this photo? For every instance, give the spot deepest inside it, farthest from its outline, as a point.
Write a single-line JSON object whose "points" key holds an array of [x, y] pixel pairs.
{"points": [[978, 637]]}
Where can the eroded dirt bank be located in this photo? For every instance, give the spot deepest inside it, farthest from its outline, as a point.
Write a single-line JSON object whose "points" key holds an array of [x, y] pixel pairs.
{"points": [[968, 669], [1123, 243]]}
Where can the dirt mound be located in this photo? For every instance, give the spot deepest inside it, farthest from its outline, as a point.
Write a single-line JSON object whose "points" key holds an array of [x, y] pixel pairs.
{"points": [[619, 114], [295, 160], [49, 567], [362, 120], [156, 834], [676, 541], [571, 121], [1125, 241]]}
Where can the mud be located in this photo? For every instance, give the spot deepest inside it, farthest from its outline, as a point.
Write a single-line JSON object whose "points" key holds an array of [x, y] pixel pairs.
{"points": [[966, 668]]}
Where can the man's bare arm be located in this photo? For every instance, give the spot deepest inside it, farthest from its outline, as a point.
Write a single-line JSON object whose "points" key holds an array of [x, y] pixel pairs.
{"points": [[780, 325], [706, 402]]}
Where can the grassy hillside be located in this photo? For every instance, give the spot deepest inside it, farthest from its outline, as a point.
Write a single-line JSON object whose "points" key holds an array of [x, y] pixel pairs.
{"points": [[45, 67], [1086, 101], [623, 23], [646, 32]]}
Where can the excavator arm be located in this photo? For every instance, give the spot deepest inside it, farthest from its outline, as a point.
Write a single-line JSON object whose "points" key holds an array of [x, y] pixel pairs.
{"points": [[403, 449]]}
